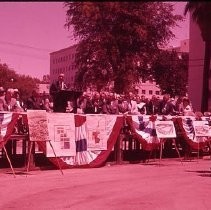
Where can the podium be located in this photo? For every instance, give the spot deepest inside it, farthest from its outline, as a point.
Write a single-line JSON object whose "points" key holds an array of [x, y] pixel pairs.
{"points": [[61, 98]]}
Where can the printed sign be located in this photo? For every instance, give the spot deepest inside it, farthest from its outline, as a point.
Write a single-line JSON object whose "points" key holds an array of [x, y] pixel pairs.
{"points": [[61, 128], [165, 129], [38, 128], [99, 128], [201, 128]]}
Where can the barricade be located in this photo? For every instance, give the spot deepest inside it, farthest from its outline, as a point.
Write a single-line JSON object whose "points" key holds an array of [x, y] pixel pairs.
{"points": [[124, 143]]}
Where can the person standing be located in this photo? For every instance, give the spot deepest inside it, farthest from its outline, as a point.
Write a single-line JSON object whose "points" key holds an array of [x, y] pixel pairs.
{"points": [[55, 88]]}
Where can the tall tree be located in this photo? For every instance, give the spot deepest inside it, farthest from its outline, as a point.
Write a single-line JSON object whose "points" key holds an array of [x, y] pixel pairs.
{"points": [[170, 71], [118, 39], [201, 14], [10, 79]]}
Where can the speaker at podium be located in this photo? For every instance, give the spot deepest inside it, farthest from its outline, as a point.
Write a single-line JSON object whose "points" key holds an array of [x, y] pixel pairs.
{"points": [[62, 97]]}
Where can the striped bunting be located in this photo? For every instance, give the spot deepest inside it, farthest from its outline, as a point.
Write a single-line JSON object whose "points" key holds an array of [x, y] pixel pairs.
{"points": [[145, 128], [187, 123], [7, 124]]}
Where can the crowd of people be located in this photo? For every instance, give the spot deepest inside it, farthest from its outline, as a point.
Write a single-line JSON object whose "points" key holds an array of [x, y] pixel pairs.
{"points": [[112, 103], [10, 100], [95, 102], [99, 103]]}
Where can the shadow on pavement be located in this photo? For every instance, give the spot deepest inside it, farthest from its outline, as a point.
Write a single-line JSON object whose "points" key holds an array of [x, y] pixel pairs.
{"points": [[203, 173]]}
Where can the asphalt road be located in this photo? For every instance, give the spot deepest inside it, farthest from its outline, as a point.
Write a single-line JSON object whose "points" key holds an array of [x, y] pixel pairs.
{"points": [[165, 185]]}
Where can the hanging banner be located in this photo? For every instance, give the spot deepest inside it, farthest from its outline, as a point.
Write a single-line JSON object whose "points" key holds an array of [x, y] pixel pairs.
{"points": [[61, 128], [165, 129]]}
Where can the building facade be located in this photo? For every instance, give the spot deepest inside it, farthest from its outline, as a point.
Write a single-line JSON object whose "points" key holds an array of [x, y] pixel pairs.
{"points": [[196, 63], [43, 88], [63, 61], [183, 48], [148, 88]]}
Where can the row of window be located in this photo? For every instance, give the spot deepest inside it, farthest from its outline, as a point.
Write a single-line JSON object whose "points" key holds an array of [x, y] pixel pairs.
{"points": [[64, 69], [150, 92], [63, 58]]}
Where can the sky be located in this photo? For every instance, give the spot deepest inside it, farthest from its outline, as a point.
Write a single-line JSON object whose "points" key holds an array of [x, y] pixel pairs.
{"points": [[32, 30]]}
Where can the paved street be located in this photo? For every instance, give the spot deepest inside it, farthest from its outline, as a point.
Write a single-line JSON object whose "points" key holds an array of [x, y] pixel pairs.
{"points": [[168, 185]]}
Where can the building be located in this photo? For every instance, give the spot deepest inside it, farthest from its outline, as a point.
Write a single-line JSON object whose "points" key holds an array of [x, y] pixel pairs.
{"points": [[196, 63], [183, 48], [148, 88], [43, 88], [63, 61]]}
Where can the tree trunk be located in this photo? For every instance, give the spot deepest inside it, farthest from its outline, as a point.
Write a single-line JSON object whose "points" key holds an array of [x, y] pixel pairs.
{"points": [[206, 74], [118, 85]]}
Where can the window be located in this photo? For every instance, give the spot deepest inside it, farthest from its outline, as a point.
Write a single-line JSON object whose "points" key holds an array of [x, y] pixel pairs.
{"points": [[150, 92], [157, 92], [143, 91]]}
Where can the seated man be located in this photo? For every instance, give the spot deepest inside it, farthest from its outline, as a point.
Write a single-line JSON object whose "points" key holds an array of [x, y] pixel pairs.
{"points": [[34, 101], [8, 102], [165, 106]]}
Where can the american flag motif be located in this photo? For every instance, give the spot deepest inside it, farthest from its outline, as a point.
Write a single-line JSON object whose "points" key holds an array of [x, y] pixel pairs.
{"points": [[145, 128], [7, 124], [187, 123]]}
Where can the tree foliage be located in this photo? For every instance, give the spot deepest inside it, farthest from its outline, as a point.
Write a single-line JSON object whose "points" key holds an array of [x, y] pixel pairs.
{"points": [[10, 79], [118, 39], [170, 71]]}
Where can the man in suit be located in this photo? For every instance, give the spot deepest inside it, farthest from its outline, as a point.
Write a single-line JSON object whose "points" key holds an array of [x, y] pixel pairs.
{"points": [[165, 106], [152, 107], [34, 101], [58, 104]]}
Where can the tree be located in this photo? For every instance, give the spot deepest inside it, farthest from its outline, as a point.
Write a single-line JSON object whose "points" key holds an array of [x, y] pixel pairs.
{"points": [[170, 71], [118, 39], [10, 79], [201, 14]]}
